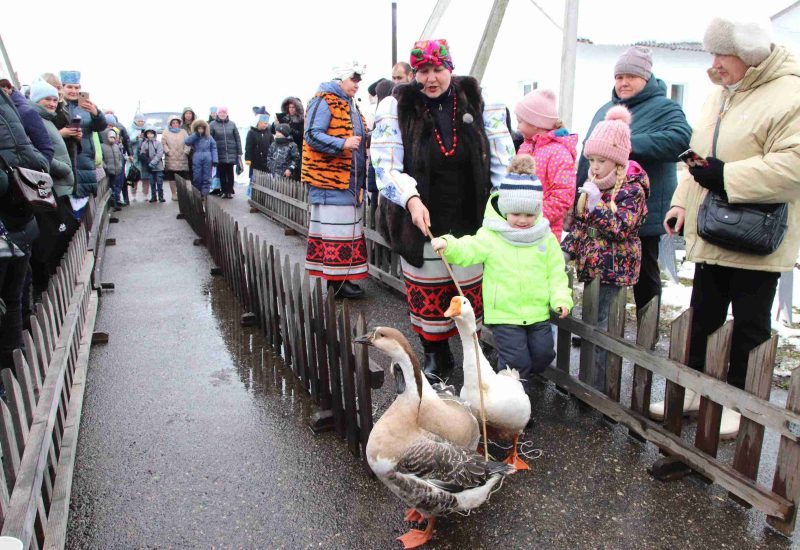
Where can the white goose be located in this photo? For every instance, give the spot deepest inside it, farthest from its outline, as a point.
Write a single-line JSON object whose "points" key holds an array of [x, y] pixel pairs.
{"points": [[428, 473], [507, 406]]}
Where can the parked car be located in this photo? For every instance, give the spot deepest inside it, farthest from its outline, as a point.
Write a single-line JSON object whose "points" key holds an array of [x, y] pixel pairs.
{"points": [[158, 120]]}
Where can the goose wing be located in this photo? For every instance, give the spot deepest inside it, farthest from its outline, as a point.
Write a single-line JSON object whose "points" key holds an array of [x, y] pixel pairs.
{"points": [[447, 466], [449, 395], [433, 472]]}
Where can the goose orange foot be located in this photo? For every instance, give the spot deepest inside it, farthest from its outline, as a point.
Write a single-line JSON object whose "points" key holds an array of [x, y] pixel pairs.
{"points": [[514, 459], [416, 538], [413, 516]]}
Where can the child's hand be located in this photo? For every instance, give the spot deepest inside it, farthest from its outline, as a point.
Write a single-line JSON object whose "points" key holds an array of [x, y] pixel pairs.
{"points": [[592, 195], [438, 244], [562, 311]]}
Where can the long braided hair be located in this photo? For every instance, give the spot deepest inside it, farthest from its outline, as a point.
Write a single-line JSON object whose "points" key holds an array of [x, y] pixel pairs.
{"points": [[622, 174]]}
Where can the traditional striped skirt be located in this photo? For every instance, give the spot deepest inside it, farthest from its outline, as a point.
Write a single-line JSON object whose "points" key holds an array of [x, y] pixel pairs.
{"points": [[429, 290], [336, 247]]}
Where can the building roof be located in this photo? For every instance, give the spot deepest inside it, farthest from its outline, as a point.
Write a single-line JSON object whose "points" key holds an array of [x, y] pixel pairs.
{"points": [[686, 46]]}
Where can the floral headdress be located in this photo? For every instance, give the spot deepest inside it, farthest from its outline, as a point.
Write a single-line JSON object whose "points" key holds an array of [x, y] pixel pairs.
{"points": [[431, 52]]}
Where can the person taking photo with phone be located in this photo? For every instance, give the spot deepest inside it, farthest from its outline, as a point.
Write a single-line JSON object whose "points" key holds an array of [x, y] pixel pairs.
{"points": [[92, 120]]}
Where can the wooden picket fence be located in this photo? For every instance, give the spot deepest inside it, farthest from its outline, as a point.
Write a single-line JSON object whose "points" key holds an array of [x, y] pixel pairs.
{"points": [[40, 417], [95, 223], [192, 209], [282, 199], [286, 201], [312, 336], [779, 502]]}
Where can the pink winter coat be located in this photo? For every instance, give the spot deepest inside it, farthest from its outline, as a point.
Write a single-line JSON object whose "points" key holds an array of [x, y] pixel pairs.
{"points": [[554, 155]]}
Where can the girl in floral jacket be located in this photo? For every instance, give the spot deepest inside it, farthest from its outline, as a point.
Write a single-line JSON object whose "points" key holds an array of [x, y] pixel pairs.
{"points": [[604, 239]]}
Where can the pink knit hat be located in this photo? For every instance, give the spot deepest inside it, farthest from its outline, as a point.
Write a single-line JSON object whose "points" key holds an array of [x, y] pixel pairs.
{"points": [[538, 108], [611, 138]]}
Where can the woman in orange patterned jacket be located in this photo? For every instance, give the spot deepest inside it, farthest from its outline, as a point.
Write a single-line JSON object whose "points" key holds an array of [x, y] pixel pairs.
{"points": [[334, 166]]}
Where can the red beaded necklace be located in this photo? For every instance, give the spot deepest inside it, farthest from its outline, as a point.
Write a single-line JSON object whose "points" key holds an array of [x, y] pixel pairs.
{"points": [[438, 136]]}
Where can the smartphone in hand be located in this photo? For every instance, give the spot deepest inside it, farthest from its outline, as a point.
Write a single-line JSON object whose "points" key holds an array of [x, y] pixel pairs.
{"points": [[692, 159]]}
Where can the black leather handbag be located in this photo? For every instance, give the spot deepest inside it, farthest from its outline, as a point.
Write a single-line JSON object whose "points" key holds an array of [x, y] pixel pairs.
{"points": [[750, 227], [753, 228]]}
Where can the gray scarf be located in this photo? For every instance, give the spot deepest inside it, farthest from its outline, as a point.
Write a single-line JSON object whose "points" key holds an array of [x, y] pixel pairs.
{"points": [[518, 237]]}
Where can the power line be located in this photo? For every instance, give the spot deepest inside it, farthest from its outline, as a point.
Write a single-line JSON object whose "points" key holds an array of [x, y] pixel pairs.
{"points": [[538, 7]]}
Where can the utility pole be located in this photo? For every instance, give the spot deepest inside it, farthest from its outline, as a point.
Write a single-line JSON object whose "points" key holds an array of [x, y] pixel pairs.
{"points": [[433, 20], [394, 33], [569, 44], [11, 74], [486, 44]]}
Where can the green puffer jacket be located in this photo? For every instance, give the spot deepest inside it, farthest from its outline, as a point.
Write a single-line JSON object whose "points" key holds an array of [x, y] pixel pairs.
{"points": [[520, 283]]}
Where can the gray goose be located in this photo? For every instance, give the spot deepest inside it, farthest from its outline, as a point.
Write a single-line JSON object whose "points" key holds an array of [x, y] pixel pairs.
{"points": [[427, 472]]}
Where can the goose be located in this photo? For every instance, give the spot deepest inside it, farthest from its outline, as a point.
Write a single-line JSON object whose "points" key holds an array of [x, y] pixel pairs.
{"points": [[442, 412], [507, 406], [427, 472]]}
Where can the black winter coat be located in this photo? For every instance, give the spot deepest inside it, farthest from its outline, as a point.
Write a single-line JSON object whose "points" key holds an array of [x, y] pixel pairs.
{"points": [[229, 144], [416, 126], [256, 148], [16, 149], [283, 155]]}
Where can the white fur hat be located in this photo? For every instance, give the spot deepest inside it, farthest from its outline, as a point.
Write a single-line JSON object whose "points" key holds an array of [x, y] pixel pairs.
{"points": [[748, 39]]}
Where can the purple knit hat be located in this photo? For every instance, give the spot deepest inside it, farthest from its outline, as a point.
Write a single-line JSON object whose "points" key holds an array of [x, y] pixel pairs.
{"points": [[611, 138]]}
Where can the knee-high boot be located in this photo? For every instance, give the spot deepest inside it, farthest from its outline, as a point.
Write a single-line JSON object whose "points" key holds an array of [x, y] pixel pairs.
{"points": [[439, 359]]}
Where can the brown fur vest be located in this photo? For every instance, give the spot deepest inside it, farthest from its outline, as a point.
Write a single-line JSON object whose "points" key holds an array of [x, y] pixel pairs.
{"points": [[416, 125]]}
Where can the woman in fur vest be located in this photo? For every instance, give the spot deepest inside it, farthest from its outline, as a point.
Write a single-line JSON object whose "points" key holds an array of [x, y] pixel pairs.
{"points": [[438, 149]]}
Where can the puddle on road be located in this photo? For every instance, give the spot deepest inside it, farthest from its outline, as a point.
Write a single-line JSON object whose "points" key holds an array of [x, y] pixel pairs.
{"points": [[256, 366]]}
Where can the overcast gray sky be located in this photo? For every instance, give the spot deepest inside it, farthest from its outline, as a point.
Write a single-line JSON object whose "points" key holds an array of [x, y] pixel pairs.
{"points": [[170, 54]]}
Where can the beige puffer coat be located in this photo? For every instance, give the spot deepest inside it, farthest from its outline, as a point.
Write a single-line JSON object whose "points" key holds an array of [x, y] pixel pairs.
{"points": [[759, 141], [176, 152]]}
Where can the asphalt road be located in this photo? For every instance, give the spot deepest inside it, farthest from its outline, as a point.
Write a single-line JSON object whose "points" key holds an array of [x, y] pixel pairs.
{"points": [[195, 436]]}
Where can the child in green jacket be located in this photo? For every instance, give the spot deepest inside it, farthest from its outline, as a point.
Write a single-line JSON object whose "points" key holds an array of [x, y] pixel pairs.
{"points": [[523, 271]]}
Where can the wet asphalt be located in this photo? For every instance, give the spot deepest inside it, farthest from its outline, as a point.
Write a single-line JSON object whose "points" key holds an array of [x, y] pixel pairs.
{"points": [[195, 436]]}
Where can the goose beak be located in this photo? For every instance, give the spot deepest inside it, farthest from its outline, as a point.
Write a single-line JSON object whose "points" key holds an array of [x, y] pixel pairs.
{"points": [[365, 339], [455, 308]]}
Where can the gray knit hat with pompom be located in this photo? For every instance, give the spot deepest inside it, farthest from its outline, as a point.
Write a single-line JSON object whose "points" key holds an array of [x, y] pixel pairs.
{"points": [[520, 190]]}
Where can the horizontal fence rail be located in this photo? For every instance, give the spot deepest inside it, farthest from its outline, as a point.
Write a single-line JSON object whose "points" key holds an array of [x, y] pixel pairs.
{"points": [[314, 338], [40, 418], [282, 199]]}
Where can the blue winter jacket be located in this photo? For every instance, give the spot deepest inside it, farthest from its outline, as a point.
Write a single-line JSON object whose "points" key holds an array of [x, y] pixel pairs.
{"points": [[87, 177], [204, 148], [33, 125], [659, 133], [317, 122]]}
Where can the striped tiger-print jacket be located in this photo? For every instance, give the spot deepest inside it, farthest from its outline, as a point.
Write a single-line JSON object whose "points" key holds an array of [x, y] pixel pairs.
{"points": [[326, 165]]}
